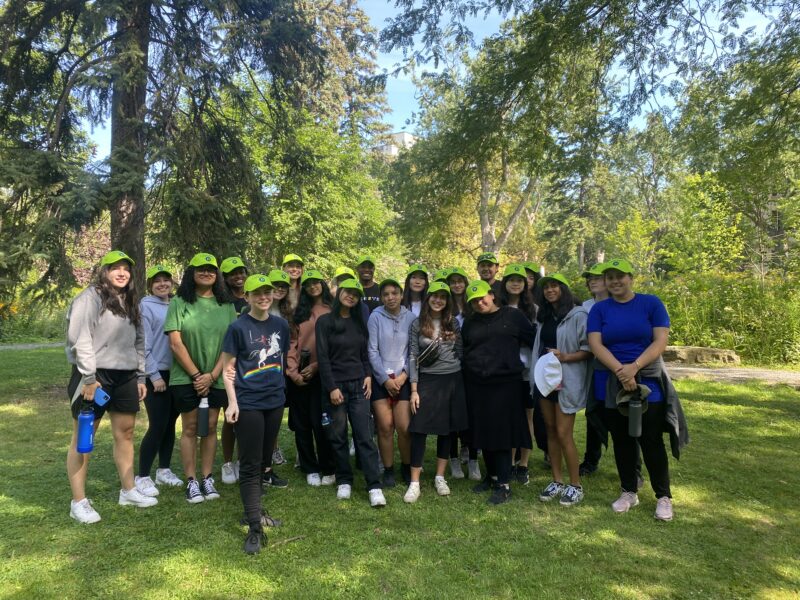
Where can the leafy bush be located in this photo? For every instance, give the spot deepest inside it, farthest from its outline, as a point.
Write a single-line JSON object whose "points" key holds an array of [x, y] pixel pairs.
{"points": [[32, 323]]}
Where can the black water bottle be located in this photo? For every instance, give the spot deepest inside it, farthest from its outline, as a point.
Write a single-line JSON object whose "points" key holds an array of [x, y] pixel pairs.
{"points": [[202, 418], [635, 416]]}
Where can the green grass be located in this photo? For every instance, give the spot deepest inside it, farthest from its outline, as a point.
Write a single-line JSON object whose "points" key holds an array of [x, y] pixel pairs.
{"points": [[735, 532]]}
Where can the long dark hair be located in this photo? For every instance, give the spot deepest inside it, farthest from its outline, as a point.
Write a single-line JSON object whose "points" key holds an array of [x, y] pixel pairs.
{"points": [[406, 300], [337, 323], [124, 304], [524, 300], [448, 322], [187, 290], [303, 311], [565, 304]]}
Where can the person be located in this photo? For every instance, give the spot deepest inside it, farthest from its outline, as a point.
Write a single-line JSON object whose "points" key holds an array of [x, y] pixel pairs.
{"points": [[416, 286], [234, 272], [533, 271], [628, 333], [196, 322], [457, 281], [255, 345], [492, 337], [437, 402], [339, 275], [487, 271], [562, 331], [365, 267], [596, 284], [344, 368], [514, 293], [305, 413], [292, 265], [441, 275], [159, 439], [105, 346], [281, 307], [388, 327]]}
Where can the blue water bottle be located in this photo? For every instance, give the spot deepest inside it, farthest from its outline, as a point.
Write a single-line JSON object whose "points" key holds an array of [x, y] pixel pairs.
{"points": [[85, 430]]}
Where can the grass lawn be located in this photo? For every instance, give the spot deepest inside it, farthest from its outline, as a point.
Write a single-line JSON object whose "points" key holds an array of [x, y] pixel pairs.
{"points": [[735, 532]]}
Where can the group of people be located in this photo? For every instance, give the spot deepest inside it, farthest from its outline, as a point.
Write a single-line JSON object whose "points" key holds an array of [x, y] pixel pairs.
{"points": [[486, 364]]}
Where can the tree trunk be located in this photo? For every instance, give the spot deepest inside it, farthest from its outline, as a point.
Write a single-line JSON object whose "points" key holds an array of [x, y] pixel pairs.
{"points": [[128, 112], [487, 225]]}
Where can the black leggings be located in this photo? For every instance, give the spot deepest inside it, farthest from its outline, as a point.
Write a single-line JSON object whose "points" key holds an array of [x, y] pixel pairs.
{"points": [[498, 465], [160, 436], [256, 431], [463, 436], [418, 448]]}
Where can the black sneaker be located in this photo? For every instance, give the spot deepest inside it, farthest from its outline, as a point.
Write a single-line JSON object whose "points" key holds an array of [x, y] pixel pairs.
{"points": [[208, 489], [484, 486], [405, 472], [193, 493], [521, 475], [254, 540], [500, 495], [388, 478], [587, 468], [271, 479]]}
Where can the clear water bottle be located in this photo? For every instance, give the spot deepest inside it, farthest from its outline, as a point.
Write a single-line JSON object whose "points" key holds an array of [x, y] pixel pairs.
{"points": [[326, 420], [202, 418], [85, 442]]}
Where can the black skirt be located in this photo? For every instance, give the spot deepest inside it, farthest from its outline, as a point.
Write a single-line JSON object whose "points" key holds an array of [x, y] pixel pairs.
{"points": [[442, 406], [498, 415]]}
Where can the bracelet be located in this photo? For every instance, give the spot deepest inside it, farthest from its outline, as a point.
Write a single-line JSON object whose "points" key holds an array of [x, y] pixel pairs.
{"points": [[195, 376], [638, 366]]}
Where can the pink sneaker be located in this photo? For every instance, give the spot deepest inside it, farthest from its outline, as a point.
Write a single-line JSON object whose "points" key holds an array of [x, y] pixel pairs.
{"points": [[625, 502], [664, 509]]}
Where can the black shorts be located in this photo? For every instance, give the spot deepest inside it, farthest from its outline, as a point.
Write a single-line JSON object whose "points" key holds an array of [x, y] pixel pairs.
{"points": [[379, 392], [120, 385], [185, 399]]}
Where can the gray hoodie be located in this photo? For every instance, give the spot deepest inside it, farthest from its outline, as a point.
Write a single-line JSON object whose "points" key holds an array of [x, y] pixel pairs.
{"points": [[571, 336], [388, 342], [98, 339], [157, 354]]}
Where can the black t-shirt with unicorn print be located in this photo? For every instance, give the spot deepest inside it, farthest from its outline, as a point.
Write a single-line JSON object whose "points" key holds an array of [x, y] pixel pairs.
{"points": [[260, 349]]}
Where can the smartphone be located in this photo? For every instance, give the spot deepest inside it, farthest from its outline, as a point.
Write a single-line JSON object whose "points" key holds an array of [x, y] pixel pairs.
{"points": [[101, 397]]}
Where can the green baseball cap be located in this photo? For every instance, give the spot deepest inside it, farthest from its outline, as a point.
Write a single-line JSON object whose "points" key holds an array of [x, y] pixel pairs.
{"points": [[595, 271], [477, 289], [277, 276], [363, 258], [155, 270], [230, 264], [441, 275], [457, 271], [554, 277], [352, 284], [254, 282], [416, 267], [344, 271], [515, 269], [389, 281], [109, 258], [531, 266], [290, 257], [438, 286], [487, 257], [202, 259], [620, 264], [311, 274]]}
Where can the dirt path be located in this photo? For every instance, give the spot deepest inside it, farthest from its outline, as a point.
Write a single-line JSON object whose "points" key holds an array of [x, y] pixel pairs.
{"points": [[735, 374]]}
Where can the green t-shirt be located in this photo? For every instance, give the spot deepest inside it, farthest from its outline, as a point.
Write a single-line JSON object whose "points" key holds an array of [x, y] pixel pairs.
{"points": [[202, 326]]}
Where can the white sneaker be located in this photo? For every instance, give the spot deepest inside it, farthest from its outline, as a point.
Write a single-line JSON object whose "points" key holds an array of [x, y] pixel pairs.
{"points": [[625, 502], [228, 473], [412, 493], [167, 477], [455, 469], [343, 492], [134, 497], [376, 499], [327, 480], [83, 511], [441, 486], [313, 479], [474, 470], [146, 486]]}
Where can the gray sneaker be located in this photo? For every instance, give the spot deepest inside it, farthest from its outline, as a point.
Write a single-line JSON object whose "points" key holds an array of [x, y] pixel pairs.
{"points": [[474, 470], [456, 472], [664, 509], [625, 502], [571, 496], [277, 457], [553, 490]]}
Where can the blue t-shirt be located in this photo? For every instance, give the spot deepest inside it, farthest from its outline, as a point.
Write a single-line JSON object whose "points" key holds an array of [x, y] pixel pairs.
{"points": [[627, 330], [260, 349]]}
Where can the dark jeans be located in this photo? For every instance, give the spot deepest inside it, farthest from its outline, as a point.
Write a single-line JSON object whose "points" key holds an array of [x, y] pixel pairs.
{"points": [[305, 417], [594, 445], [356, 408], [498, 465], [160, 436], [626, 448], [256, 431], [418, 448]]}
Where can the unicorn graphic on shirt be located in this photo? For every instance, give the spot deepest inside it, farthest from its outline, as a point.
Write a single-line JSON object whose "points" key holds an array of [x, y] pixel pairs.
{"points": [[272, 347]]}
